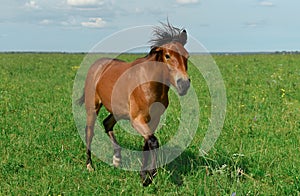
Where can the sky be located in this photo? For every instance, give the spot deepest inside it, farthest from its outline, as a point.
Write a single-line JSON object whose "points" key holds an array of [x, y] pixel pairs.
{"points": [[219, 25]]}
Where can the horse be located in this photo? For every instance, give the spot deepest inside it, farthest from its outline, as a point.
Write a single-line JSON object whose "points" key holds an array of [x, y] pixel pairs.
{"points": [[137, 91]]}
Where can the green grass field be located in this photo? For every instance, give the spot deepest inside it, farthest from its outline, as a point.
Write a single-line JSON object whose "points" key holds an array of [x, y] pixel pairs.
{"points": [[257, 153]]}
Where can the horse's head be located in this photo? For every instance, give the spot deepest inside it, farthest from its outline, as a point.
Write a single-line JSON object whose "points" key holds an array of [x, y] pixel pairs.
{"points": [[175, 56]]}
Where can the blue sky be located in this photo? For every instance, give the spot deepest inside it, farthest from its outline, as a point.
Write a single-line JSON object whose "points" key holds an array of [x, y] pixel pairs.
{"points": [[221, 26]]}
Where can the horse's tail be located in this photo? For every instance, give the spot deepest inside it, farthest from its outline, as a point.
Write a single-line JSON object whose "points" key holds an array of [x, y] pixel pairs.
{"points": [[80, 101]]}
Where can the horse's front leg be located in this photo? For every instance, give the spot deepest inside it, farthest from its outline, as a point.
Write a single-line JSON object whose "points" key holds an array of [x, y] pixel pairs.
{"points": [[144, 169], [148, 170], [153, 145]]}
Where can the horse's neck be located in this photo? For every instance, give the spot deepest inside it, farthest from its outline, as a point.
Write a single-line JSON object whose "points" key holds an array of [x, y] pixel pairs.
{"points": [[144, 59], [155, 71]]}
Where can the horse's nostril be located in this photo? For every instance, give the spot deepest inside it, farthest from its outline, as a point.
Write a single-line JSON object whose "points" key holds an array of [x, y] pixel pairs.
{"points": [[182, 86], [179, 81]]}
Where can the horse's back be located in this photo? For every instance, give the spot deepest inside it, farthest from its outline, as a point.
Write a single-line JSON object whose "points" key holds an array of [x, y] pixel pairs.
{"points": [[97, 69], [101, 78], [101, 64]]}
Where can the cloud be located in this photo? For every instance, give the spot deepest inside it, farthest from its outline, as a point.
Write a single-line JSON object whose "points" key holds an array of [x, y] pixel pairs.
{"points": [[94, 23], [251, 24], [255, 24], [31, 5], [187, 1], [266, 3], [84, 3], [46, 22]]}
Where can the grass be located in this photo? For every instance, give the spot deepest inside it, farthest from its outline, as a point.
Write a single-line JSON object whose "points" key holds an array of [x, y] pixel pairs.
{"points": [[257, 152]]}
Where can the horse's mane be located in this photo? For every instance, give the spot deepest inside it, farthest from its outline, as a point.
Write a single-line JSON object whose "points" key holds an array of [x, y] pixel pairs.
{"points": [[165, 34]]}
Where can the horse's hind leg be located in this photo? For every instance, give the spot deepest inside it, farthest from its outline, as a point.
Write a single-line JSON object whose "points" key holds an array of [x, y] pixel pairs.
{"points": [[92, 113], [109, 124]]}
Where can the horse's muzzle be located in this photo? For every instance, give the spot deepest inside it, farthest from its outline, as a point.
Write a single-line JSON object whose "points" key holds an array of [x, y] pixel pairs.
{"points": [[183, 86]]}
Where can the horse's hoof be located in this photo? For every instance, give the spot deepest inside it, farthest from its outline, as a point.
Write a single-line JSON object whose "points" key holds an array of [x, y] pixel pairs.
{"points": [[147, 178], [90, 167], [116, 161], [152, 173], [147, 181]]}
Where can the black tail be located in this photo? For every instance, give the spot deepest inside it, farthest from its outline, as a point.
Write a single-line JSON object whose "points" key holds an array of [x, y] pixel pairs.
{"points": [[80, 101]]}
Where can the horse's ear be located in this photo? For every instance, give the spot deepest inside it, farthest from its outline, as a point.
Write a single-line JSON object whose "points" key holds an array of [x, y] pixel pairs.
{"points": [[183, 37]]}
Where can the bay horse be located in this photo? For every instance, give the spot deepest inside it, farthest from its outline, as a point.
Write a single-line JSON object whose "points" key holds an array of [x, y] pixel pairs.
{"points": [[138, 92]]}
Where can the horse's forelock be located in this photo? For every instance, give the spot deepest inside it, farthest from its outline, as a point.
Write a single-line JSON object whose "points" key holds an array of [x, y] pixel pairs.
{"points": [[157, 51]]}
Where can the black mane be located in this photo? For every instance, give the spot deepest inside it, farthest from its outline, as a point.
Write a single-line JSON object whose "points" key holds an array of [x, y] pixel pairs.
{"points": [[166, 34]]}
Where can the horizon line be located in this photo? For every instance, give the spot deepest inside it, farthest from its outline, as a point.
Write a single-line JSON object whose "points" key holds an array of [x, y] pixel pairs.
{"points": [[215, 52]]}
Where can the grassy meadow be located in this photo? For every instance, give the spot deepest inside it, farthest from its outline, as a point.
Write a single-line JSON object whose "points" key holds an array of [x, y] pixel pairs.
{"points": [[257, 153]]}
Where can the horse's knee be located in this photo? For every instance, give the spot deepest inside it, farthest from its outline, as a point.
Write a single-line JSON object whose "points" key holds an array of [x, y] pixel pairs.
{"points": [[153, 142]]}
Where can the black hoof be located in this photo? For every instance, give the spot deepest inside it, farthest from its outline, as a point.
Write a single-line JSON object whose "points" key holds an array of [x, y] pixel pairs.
{"points": [[147, 177], [147, 181]]}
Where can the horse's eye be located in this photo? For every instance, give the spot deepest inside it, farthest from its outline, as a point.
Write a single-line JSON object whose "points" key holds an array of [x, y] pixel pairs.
{"points": [[167, 56]]}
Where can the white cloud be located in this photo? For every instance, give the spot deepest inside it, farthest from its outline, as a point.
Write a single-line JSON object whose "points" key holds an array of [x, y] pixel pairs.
{"points": [[255, 24], [84, 2], [266, 3], [31, 4], [186, 1], [251, 24], [46, 22], [138, 10], [94, 23]]}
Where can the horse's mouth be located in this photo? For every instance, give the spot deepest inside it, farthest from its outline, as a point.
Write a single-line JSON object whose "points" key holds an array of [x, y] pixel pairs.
{"points": [[182, 92], [183, 86]]}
